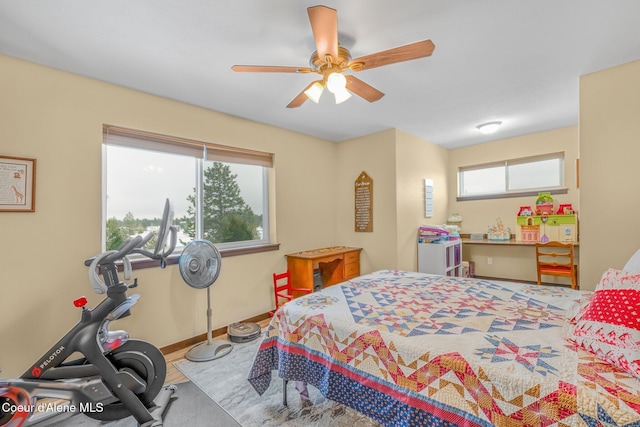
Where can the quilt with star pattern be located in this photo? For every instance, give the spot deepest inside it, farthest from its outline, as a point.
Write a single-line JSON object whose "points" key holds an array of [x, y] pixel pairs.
{"points": [[412, 349]]}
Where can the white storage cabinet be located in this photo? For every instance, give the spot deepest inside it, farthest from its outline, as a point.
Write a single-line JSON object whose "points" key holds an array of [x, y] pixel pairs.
{"points": [[444, 258]]}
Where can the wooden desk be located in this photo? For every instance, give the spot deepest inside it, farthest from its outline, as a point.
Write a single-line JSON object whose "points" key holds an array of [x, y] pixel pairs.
{"points": [[337, 264]]}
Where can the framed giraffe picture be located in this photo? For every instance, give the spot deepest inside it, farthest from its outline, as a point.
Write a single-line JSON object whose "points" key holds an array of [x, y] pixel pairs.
{"points": [[17, 184]]}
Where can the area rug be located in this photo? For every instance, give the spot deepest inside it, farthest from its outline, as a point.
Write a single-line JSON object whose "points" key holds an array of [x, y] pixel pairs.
{"points": [[225, 381], [189, 406]]}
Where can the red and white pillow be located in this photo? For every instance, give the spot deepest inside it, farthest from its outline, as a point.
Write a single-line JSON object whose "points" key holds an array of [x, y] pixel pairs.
{"points": [[609, 327]]}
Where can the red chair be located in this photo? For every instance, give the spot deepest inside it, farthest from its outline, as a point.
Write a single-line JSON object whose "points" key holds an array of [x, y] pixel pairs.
{"points": [[282, 289]]}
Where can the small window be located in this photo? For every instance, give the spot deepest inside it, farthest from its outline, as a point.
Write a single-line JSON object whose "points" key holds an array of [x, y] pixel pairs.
{"points": [[512, 178], [219, 193]]}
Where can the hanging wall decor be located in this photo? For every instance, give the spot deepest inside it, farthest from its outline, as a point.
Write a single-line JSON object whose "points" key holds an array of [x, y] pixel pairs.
{"points": [[17, 184], [363, 195], [428, 198]]}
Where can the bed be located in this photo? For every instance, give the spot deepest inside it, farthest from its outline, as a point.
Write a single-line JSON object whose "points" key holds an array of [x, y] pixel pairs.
{"points": [[414, 349]]}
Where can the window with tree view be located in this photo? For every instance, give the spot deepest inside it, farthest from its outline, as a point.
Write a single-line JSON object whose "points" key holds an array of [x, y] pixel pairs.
{"points": [[219, 193]]}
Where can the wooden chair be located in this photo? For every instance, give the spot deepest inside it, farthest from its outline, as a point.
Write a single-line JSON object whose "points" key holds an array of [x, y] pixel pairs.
{"points": [[283, 290], [556, 259]]}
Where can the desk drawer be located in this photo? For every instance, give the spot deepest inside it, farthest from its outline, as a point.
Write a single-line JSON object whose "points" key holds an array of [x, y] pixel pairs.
{"points": [[352, 257], [351, 271]]}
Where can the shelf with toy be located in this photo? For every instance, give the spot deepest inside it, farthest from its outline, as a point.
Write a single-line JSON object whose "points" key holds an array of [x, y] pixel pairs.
{"points": [[499, 231]]}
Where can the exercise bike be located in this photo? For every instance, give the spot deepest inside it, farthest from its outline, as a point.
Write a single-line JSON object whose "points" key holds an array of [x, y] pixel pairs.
{"points": [[116, 376]]}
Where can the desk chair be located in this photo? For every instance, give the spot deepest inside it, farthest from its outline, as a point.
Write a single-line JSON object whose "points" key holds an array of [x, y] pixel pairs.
{"points": [[556, 259], [282, 289]]}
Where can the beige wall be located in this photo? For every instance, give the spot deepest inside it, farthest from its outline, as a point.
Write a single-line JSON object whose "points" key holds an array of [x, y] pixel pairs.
{"points": [[512, 262], [375, 155], [397, 162], [610, 172], [57, 118], [417, 159]]}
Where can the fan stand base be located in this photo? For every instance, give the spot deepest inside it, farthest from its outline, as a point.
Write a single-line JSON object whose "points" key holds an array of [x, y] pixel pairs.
{"points": [[206, 351]]}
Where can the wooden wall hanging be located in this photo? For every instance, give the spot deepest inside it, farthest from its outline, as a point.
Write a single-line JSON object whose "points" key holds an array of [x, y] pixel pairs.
{"points": [[363, 195]]}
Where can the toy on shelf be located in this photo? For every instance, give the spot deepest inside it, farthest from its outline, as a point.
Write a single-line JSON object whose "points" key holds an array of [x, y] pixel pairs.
{"points": [[530, 233], [544, 204], [565, 209], [499, 232], [455, 220], [525, 211], [546, 224]]}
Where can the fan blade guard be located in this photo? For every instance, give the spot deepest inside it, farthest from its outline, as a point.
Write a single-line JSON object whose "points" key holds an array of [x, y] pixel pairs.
{"points": [[200, 263]]}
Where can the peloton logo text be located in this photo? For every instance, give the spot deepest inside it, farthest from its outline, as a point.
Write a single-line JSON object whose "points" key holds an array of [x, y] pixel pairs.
{"points": [[36, 371]]}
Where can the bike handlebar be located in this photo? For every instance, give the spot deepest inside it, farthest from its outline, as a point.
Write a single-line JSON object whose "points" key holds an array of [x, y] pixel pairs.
{"points": [[135, 244], [125, 249]]}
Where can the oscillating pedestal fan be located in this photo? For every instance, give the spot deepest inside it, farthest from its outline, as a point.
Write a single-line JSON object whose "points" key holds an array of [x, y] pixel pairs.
{"points": [[200, 266]]}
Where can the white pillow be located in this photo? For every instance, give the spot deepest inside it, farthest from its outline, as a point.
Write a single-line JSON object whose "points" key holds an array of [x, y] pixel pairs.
{"points": [[633, 265]]}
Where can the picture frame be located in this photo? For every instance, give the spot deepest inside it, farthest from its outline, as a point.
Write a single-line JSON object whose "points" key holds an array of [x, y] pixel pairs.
{"points": [[17, 184]]}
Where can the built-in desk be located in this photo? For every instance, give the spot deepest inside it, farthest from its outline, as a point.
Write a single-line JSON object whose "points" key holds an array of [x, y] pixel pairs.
{"points": [[512, 242], [336, 263], [504, 259]]}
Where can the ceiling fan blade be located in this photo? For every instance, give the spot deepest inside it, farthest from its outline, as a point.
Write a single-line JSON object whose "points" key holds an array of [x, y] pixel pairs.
{"points": [[362, 89], [408, 52], [270, 69], [299, 100], [324, 24]]}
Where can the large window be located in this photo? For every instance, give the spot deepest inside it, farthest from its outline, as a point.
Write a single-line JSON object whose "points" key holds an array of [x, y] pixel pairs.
{"points": [[219, 193], [512, 178]]}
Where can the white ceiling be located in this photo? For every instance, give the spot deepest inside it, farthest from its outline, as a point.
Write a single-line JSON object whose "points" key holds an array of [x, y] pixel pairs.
{"points": [[517, 61]]}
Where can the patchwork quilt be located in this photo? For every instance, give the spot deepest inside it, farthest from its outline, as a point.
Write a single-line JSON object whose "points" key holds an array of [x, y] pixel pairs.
{"points": [[411, 349]]}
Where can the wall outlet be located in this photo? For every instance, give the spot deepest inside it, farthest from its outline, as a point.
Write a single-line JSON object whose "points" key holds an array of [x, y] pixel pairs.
{"points": [[489, 261]]}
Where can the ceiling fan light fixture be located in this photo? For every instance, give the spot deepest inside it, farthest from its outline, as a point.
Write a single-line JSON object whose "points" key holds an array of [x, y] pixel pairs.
{"points": [[342, 95], [336, 82], [315, 91], [489, 127]]}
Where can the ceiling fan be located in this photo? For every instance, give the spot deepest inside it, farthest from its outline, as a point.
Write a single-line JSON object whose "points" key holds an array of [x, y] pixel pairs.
{"points": [[331, 60]]}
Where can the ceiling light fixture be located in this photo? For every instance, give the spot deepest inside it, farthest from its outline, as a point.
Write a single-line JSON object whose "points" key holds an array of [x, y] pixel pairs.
{"points": [[337, 85], [336, 82], [489, 127], [315, 91]]}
